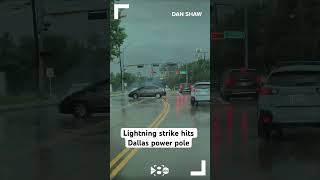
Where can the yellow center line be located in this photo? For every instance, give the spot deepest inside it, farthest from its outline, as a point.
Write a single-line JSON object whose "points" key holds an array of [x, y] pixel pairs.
{"points": [[126, 150], [154, 124]]}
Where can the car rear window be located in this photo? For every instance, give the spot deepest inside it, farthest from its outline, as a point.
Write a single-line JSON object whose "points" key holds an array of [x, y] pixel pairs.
{"points": [[244, 73], [202, 86], [295, 78]]}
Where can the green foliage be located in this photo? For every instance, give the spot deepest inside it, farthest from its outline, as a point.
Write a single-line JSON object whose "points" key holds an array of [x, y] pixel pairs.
{"points": [[117, 34], [129, 78], [18, 59]]}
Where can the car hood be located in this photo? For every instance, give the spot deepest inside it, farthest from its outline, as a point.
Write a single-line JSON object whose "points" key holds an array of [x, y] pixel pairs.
{"points": [[134, 89]]}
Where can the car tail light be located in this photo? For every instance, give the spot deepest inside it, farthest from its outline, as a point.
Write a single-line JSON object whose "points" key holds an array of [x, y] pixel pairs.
{"points": [[266, 119], [258, 79], [268, 91]]}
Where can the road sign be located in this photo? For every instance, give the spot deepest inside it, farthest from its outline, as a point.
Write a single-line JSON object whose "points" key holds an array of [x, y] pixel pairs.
{"points": [[234, 35], [95, 15], [183, 72], [50, 72]]}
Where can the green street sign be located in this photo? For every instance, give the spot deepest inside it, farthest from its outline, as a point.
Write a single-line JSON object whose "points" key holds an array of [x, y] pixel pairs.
{"points": [[234, 35], [183, 72]]}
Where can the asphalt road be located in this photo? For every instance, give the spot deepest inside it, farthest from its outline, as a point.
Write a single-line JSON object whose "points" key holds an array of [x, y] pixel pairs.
{"points": [[41, 144], [239, 154], [174, 111]]}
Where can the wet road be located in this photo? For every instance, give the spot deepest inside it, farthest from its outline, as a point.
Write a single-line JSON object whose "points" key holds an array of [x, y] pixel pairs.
{"points": [[178, 114], [238, 152], [41, 144]]}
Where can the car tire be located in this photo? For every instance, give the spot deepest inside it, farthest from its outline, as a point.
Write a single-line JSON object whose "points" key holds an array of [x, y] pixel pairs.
{"points": [[192, 102], [135, 96], [80, 110], [158, 96]]}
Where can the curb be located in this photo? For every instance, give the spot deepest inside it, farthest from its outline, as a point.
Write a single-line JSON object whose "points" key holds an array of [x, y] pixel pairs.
{"points": [[27, 106]]}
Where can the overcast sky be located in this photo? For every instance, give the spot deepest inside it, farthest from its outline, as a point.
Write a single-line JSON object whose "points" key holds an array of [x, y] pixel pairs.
{"points": [[154, 36]]}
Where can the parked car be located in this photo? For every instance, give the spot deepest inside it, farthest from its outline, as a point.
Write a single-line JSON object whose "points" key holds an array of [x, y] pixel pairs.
{"points": [[200, 93], [240, 82], [91, 99], [185, 87], [290, 97], [147, 91]]}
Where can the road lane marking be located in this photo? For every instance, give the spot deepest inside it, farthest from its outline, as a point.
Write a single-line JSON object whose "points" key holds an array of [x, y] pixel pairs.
{"points": [[124, 151], [131, 152], [126, 159], [123, 163]]}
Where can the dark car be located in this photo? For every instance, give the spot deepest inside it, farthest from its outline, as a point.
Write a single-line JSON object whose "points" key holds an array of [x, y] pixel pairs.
{"points": [[185, 87], [147, 91], [89, 100], [240, 82]]}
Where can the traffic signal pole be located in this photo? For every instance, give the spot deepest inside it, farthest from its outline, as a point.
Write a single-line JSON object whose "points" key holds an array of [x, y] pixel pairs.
{"points": [[187, 72], [246, 35]]}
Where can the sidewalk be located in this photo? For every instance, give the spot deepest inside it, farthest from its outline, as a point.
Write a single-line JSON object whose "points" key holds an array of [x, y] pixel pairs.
{"points": [[118, 93]]}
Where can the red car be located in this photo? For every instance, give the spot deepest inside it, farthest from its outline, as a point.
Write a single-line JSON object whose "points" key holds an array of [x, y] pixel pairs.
{"points": [[185, 87]]}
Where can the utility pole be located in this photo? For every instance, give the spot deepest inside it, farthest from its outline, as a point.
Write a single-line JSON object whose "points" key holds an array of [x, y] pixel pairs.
{"points": [[41, 48], [36, 41], [187, 74], [38, 13], [246, 35], [121, 70]]}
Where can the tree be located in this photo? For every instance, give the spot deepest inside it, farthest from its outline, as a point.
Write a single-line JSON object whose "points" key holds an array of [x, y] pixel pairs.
{"points": [[117, 33]]}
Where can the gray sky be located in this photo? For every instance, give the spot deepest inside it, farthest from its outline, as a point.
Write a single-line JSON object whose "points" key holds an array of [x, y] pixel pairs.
{"points": [[154, 36]]}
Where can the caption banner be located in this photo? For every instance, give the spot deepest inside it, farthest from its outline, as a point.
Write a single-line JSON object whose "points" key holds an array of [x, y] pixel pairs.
{"points": [[158, 137]]}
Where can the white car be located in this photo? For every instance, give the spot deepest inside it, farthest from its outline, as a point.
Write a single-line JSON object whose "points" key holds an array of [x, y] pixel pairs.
{"points": [[290, 97], [200, 93]]}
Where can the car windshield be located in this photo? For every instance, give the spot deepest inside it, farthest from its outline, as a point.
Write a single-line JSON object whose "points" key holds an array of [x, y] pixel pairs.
{"points": [[295, 78], [202, 86]]}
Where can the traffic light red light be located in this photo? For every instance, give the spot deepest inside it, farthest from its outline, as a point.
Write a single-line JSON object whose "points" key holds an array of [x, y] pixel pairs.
{"points": [[217, 35]]}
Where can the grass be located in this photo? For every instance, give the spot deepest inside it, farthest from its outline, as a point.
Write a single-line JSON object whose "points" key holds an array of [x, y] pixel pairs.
{"points": [[12, 100]]}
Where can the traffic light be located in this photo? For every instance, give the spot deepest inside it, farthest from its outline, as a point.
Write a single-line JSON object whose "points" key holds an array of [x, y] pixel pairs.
{"points": [[190, 73], [217, 35]]}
